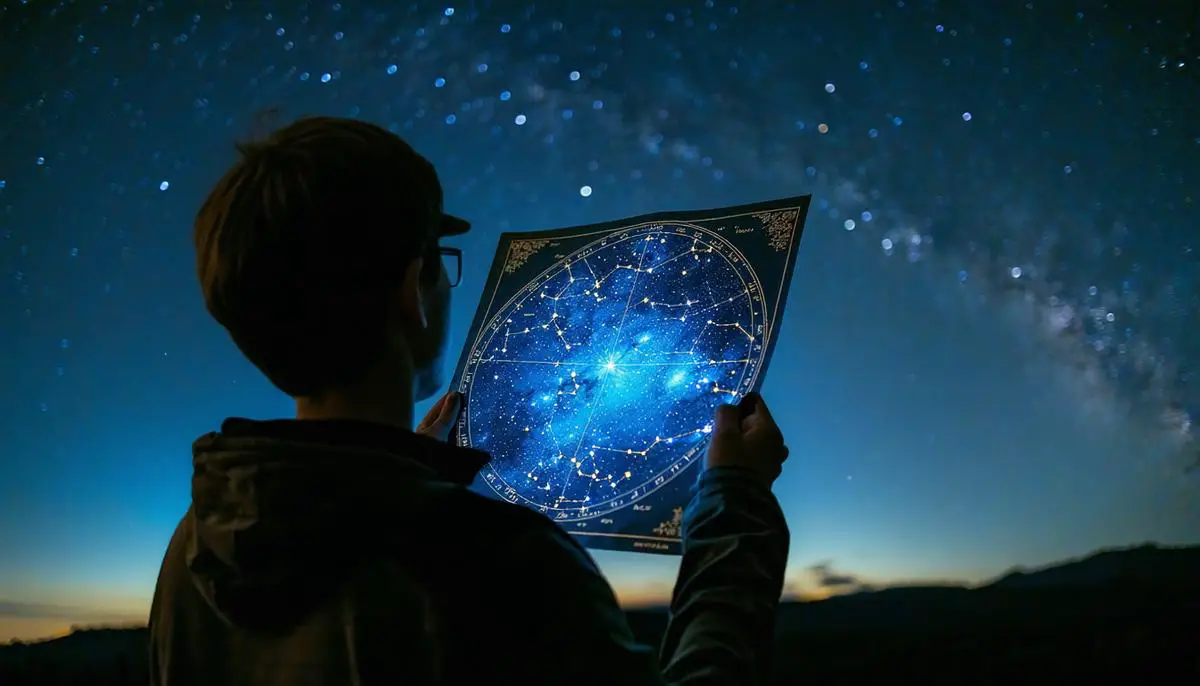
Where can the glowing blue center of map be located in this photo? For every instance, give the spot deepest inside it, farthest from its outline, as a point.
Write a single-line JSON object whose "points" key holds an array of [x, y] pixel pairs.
{"points": [[596, 384]]}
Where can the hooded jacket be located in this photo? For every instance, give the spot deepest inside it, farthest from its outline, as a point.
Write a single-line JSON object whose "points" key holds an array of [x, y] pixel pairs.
{"points": [[342, 552]]}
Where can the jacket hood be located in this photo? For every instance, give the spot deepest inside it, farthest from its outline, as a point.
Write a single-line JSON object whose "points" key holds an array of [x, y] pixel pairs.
{"points": [[283, 511]]}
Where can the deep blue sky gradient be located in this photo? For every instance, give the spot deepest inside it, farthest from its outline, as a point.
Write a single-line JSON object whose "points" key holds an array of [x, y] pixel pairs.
{"points": [[957, 397]]}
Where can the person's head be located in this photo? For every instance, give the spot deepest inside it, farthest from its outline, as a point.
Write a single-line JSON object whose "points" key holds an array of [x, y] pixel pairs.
{"points": [[318, 251]]}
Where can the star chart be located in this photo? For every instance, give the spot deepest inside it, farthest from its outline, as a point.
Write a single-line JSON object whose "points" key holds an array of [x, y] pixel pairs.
{"points": [[599, 355]]}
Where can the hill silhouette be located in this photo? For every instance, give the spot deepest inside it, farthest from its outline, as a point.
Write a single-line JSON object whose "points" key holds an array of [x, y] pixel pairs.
{"points": [[1131, 614]]}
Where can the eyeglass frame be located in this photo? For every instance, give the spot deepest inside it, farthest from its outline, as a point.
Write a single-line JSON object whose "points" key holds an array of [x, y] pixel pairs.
{"points": [[455, 278]]}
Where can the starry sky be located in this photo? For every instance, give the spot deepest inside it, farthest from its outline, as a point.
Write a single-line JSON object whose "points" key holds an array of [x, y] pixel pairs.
{"points": [[989, 352]]}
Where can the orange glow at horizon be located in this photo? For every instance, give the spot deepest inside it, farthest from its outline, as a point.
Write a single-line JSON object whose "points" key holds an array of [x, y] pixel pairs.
{"points": [[631, 595]]}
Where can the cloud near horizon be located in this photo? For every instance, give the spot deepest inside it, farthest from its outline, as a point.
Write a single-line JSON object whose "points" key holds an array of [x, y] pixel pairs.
{"points": [[824, 576]]}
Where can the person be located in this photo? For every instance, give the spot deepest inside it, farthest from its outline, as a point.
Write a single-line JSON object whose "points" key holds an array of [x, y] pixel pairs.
{"points": [[345, 547]]}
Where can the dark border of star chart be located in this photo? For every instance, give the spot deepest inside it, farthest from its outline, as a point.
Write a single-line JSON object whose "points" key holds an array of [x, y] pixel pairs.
{"points": [[515, 248]]}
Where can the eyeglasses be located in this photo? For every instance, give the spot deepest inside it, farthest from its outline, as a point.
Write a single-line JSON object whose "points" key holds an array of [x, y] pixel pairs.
{"points": [[452, 261]]}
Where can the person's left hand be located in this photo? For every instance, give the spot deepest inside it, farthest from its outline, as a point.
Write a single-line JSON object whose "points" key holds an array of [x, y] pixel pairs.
{"points": [[440, 420]]}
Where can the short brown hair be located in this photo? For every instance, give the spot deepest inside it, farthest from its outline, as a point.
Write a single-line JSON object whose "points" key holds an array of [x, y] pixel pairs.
{"points": [[300, 243]]}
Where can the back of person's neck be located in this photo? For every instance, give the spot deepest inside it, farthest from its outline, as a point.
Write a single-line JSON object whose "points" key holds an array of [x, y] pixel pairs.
{"points": [[385, 398]]}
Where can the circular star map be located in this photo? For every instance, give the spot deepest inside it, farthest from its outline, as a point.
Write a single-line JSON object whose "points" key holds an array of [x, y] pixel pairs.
{"points": [[596, 383]]}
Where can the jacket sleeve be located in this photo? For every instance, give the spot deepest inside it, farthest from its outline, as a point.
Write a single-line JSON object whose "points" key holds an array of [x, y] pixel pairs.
{"points": [[723, 610]]}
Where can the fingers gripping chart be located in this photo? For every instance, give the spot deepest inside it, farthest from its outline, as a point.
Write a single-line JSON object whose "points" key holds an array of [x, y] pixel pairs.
{"points": [[599, 355]]}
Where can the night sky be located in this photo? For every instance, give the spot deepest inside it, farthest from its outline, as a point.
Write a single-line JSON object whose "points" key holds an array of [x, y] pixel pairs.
{"points": [[989, 350]]}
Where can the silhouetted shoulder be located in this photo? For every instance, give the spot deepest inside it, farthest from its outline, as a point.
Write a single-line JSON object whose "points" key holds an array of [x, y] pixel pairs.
{"points": [[514, 528], [538, 591]]}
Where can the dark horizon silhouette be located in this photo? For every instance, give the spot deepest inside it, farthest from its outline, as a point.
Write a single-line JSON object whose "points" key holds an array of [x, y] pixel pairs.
{"points": [[1127, 612]]}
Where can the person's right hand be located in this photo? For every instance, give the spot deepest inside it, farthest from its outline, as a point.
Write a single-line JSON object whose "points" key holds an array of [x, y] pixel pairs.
{"points": [[747, 437]]}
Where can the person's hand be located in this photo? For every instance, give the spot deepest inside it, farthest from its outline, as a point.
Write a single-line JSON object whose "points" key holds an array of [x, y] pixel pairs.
{"points": [[439, 422], [746, 436]]}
